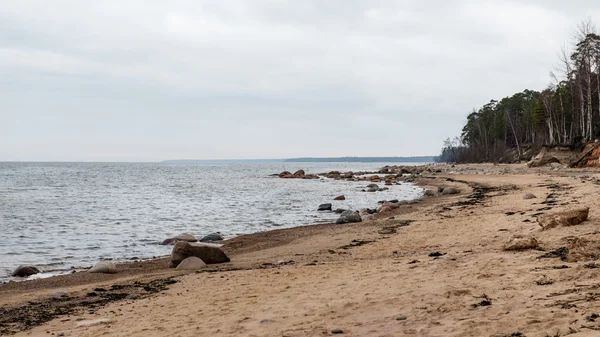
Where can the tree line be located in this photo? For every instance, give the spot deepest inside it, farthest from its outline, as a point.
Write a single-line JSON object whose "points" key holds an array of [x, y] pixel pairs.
{"points": [[566, 112]]}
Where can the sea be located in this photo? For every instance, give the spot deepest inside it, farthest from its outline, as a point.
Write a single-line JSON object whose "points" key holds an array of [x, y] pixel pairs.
{"points": [[65, 216]]}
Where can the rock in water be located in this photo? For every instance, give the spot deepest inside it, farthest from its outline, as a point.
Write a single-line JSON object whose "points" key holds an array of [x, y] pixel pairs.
{"points": [[286, 174], [186, 237], [212, 237], [348, 216], [450, 190], [299, 173], [341, 197], [325, 207], [564, 218], [529, 196], [169, 242], [207, 253], [428, 193], [191, 263], [103, 267], [373, 186], [519, 243], [24, 271]]}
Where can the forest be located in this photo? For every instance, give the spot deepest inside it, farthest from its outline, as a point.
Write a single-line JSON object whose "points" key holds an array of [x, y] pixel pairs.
{"points": [[566, 112]]}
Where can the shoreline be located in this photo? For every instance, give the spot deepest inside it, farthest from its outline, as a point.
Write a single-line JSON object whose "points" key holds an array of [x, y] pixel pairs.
{"points": [[360, 176], [466, 230]]}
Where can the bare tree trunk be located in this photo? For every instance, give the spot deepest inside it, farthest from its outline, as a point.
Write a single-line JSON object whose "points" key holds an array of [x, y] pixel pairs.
{"points": [[514, 133]]}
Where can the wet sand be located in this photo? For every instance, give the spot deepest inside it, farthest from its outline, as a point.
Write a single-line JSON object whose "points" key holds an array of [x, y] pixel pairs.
{"points": [[436, 269]]}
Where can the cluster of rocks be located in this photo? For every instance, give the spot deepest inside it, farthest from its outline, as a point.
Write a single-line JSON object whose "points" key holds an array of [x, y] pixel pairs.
{"points": [[389, 174], [300, 174], [187, 237]]}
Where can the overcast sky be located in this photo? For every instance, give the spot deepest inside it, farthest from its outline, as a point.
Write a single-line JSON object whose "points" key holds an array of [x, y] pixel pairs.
{"points": [[142, 80]]}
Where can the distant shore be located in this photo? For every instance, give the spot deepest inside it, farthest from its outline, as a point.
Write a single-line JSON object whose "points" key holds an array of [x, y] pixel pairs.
{"points": [[420, 269]]}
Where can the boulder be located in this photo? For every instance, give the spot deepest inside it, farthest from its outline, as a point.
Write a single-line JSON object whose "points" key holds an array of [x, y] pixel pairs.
{"points": [[428, 193], [186, 237], [285, 174], [348, 217], [341, 197], [103, 267], [564, 218], [373, 189], [207, 253], [529, 196], [191, 263], [324, 207], [24, 271], [373, 186], [299, 173], [520, 243], [450, 190], [212, 237]]}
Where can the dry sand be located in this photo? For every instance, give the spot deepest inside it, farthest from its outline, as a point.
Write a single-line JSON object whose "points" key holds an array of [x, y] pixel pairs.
{"points": [[300, 282]]}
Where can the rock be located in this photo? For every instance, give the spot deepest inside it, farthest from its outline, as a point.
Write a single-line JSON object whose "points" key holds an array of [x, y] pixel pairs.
{"points": [[207, 253], [103, 267], [371, 211], [373, 186], [285, 174], [191, 263], [299, 173], [339, 211], [341, 197], [401, 318], [348, 217], [529, 196], [25, 271], [450, 190], [337, 331], [212, 237], [310, 176], [564, 218], [520, 243], [169, 242], [324, 207], [440, 189], [371, 190], [428, 193], [394, 201], [186, 237], [388, 182]]}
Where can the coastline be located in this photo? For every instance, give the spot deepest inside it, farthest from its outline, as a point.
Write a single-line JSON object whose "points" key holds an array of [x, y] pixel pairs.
{"points": [[345, 261]]}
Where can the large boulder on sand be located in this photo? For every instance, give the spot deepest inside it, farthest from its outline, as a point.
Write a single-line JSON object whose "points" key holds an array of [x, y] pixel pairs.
{"points": [[520, 243], [212, 237], [25, 271], [207, 253], [191, 263], [564, 218], [325, 207], [103, 267], [348, 217]]}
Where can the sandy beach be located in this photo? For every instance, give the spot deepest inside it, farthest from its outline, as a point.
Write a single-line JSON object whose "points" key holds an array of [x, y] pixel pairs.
{"points": [[437, 268]]}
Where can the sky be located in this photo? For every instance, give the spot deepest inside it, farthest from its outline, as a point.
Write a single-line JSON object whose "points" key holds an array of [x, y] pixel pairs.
{"points": [[150, 80]]}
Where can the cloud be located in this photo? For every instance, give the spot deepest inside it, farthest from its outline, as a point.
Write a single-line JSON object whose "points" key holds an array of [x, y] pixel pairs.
{"points": [[152, 80]]}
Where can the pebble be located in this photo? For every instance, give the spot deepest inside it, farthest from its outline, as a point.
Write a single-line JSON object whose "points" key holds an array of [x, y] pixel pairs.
{"points": [[60, 334], [337, 331], [401, 318]]}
